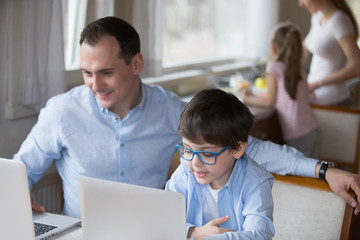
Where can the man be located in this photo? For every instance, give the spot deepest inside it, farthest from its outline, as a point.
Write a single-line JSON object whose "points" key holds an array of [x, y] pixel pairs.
{"points": [[117, 128]]}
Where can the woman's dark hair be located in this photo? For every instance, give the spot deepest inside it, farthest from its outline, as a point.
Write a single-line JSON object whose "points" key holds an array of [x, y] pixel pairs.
{"points": [[343, 6], [125, 34], [216, 117]]}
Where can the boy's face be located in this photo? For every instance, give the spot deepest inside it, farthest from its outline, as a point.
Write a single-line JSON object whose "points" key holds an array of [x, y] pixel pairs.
{"points": [[218, 174]]}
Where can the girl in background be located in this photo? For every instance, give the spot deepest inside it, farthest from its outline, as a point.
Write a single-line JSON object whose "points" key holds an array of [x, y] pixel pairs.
{"points": [[336, 56], [288, 92]]}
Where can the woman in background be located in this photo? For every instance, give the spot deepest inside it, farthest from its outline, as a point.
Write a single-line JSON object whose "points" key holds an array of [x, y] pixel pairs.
{"points": [[287, 90], [336, 56]]}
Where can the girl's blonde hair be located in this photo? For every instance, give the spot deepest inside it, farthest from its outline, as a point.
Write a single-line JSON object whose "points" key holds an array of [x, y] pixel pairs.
{"points": [[286, 39]]}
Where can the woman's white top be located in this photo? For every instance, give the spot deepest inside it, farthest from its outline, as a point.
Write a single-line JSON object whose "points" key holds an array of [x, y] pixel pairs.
{"points": [[328, 56]]}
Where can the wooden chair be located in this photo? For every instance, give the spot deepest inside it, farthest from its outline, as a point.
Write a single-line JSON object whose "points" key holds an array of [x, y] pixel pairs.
{"points": [[306, 208], [175, 162], [340, 131]]}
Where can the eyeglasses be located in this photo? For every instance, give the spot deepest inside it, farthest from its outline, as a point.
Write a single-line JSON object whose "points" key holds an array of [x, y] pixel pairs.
{"points": [[206, 157]]}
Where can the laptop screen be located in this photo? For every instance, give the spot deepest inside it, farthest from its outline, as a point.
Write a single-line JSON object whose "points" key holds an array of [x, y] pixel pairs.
{"points": [[113, 210]]}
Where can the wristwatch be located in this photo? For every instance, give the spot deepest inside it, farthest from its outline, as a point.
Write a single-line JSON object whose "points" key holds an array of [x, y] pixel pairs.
{"points": [[323, 168]]}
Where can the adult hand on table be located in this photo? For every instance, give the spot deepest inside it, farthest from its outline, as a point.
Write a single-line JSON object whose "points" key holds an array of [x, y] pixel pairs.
{"points": [[35, 206]]}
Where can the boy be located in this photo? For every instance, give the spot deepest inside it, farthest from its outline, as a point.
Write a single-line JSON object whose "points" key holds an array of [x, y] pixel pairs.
{"points": [[227, 194]]}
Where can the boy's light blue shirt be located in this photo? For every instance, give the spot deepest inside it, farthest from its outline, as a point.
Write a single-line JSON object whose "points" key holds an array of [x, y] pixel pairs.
{"points": [[246, 197], [85, 139]]}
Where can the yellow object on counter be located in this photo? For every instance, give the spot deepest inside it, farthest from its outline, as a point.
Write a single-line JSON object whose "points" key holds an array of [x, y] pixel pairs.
{"points": [[260, 82]]}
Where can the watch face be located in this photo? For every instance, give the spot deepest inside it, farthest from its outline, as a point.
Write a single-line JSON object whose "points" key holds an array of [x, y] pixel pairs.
{"points": [[331, 164]]}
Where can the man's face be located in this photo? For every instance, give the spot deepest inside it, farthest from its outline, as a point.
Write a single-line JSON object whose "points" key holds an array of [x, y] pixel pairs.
{"points": [[112, 81]]}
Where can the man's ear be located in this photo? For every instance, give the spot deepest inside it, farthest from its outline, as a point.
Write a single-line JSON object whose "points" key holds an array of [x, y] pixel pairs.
{"points": [[137, 63], [240, 150]]}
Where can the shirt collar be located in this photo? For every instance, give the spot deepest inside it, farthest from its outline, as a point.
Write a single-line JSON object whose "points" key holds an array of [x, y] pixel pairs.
{"points": [[237, 171], [141, 104]]}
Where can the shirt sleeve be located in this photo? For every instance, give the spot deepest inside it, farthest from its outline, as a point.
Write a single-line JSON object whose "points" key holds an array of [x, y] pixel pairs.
{"points": [[342, 26], [274, 68], [41, 146], [280, 159]]}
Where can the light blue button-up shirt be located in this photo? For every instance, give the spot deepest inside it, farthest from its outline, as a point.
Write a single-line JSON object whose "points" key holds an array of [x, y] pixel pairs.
{"points": [[84, 139], [246, 198]]}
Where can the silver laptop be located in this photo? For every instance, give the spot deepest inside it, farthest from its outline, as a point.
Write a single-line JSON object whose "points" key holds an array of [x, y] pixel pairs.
{"points": [[113, 210], [16, 217]]}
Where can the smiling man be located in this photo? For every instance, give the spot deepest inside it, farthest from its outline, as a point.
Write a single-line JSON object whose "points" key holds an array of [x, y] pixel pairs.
{"points": [[114, 127], [117, 128]]}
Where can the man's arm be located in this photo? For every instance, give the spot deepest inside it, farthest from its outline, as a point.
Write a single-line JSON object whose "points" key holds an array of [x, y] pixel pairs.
{"points": [[285, 160], [280, 159]]}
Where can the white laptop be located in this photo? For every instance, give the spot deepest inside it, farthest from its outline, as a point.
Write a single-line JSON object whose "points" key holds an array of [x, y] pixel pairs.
{"points": [[16, 218], [113, 210]]}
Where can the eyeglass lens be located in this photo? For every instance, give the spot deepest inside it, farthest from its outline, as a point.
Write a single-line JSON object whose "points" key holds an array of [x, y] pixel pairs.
{"points": [[205, 157]]}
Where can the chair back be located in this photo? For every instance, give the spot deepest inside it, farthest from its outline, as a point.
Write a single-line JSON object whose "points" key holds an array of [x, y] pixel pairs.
{"points": [[306, 208], [340, 131]]}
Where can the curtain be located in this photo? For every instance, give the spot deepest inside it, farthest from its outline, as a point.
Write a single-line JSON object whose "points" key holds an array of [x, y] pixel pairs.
{"points": [[261, 21], [146, 17], [43, 67]]}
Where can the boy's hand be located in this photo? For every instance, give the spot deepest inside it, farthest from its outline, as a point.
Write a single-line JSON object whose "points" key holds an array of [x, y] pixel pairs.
{"points": [[211, 228], [35, 206]]}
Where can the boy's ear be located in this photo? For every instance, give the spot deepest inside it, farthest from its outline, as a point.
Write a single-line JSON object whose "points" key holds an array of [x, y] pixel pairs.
{"points": [[240, 150]]}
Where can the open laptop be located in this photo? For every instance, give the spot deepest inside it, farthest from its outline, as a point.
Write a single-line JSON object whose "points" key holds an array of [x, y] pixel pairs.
{"points": [[113, 210], [16, 217]]}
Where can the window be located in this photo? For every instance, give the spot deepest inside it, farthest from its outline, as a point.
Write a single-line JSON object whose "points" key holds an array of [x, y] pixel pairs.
{"points": [[196, 31], [203, 29], [193, 32], [75, 14]]}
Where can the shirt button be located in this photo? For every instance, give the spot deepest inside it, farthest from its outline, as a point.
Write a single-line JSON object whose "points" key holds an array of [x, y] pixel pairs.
{"points": [[122, 145], [122, 173]]}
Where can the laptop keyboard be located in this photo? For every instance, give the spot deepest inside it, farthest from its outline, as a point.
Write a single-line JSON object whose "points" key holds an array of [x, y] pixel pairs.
{"points": [[41, 228]]}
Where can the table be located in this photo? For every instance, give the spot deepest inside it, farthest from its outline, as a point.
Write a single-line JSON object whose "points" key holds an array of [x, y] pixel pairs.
{"points": [[73, 233]]}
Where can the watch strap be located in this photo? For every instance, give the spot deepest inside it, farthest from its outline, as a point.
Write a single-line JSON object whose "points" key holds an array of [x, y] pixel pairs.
{"points": [[323, 168]]}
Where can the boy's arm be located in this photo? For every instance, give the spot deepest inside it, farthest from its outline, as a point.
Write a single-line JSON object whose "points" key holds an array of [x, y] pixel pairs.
{"points": [[285, 160]]}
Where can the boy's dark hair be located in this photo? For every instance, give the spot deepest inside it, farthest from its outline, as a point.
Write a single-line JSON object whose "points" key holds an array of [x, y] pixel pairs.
{"points": [[216, 117], [125, 34]]}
